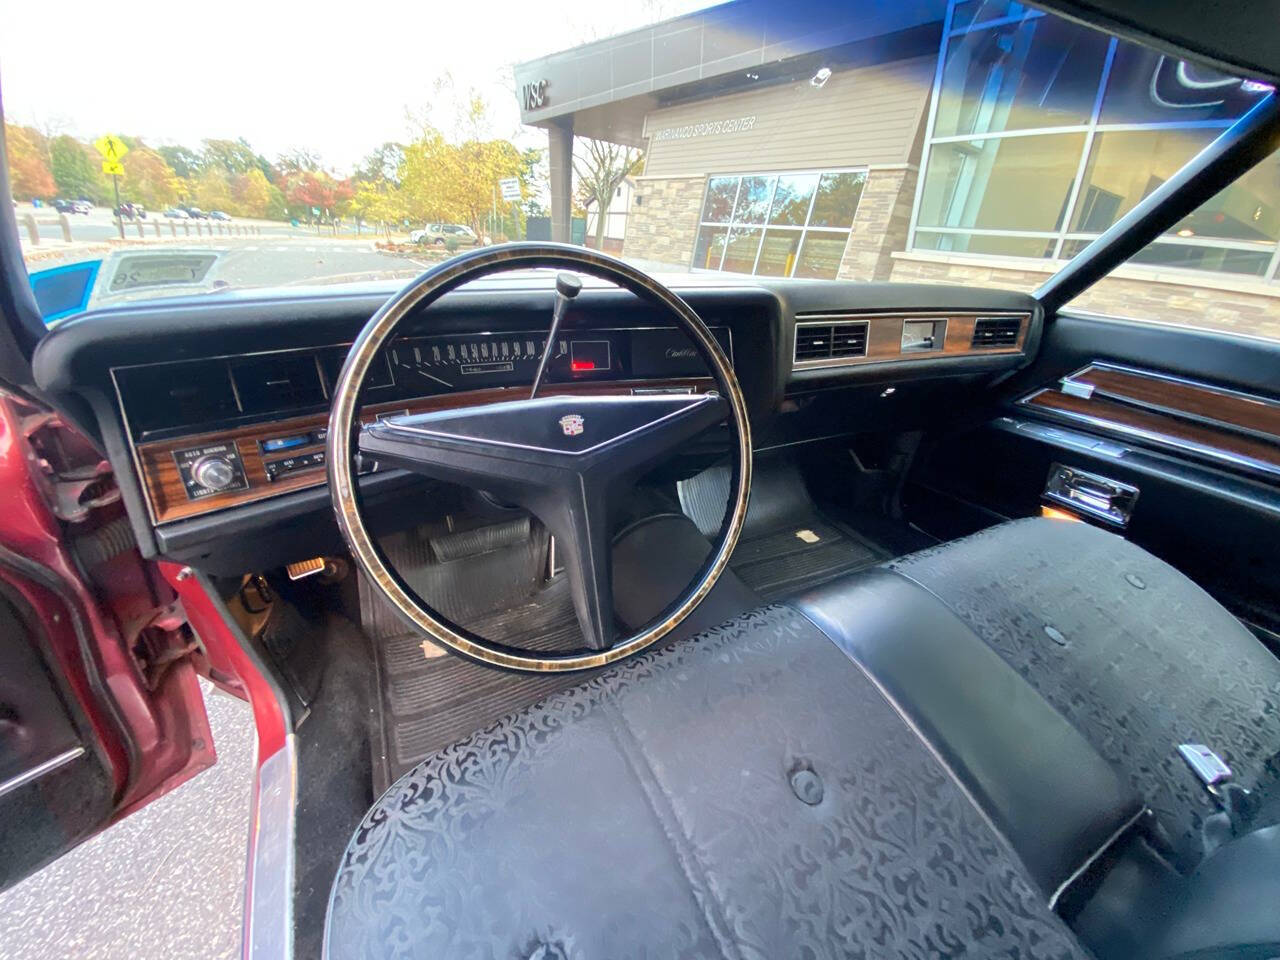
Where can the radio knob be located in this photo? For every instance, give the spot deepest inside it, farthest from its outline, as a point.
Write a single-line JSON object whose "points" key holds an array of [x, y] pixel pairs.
{"points": [[213, 473]]}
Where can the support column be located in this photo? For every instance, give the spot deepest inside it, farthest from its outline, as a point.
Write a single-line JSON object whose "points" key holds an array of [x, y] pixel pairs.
{"points": [[560, 163]]}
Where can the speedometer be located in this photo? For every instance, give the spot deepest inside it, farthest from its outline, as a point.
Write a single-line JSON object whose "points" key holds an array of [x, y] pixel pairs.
{"points": [[469, 362]]}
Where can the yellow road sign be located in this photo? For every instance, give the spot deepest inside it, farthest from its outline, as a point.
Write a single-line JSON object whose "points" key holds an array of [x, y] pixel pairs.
{"points": [[113, 168], [111, 147]]}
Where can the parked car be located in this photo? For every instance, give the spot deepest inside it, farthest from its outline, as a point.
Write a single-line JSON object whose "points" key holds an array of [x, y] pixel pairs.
{"points": [[64, 206], [177, 213], [219, 215], [195, 213], [86, 200], [130, 211], [438, 234]]}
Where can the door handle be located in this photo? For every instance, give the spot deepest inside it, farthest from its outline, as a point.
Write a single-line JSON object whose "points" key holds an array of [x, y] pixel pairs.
{"points": [[1091, 494]]}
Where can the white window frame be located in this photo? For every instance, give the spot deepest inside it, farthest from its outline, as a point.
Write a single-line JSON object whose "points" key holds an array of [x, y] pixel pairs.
{"points": [[803, 230], [1090, 129]]}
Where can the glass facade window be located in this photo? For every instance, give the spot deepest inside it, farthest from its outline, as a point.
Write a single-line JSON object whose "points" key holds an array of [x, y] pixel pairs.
{"points": [[1126, 165], [778, 225], [1044, 133], [1039, 72], [1013, 183]]}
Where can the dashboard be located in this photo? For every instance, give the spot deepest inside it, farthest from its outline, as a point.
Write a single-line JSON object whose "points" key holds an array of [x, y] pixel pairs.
{"points": [[214, 411]]}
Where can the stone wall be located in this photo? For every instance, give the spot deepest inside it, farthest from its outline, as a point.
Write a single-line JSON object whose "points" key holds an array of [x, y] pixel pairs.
{"points": [[1213, 302], [880, 225], [662, 222]]}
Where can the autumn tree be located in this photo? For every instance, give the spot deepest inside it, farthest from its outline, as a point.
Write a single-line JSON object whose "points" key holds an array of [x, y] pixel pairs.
{"points": [[148, 179], [253, 195], [455, 182], [213, 189], [29, 174], [600, 171], [316, 190]]}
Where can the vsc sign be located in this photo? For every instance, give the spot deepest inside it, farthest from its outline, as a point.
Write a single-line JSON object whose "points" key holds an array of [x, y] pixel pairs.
{"points": [[534, 95]]}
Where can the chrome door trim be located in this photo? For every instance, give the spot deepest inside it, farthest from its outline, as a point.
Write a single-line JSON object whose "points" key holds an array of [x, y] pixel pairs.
{"points": [[268, 893]]}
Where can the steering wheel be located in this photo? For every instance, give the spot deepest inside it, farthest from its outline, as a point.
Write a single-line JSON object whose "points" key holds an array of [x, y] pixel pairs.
{"points": [[565, 459]]}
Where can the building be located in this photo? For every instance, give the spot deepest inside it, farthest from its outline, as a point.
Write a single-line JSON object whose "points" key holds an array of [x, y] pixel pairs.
{"points": [[972, 141], [615, 218]]}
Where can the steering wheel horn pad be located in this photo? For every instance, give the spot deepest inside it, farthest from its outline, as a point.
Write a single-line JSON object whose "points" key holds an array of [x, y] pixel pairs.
{"points": [[565, 459]]}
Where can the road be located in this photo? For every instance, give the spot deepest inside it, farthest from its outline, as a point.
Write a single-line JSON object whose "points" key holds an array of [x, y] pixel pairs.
{"points": [[166, 882], [252, 261]]}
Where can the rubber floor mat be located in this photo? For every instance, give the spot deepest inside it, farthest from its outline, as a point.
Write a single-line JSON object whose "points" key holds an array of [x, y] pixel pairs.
{"points": [[429, 699], [787, 545]]}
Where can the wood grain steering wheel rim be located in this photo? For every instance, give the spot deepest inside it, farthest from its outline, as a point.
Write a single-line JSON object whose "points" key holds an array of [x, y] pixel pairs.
{"points": [[436, 452]]}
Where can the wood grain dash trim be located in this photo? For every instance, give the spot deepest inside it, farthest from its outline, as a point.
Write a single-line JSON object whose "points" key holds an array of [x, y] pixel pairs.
{"points": [[167, 496], [1196, 438], [1203, 402]]}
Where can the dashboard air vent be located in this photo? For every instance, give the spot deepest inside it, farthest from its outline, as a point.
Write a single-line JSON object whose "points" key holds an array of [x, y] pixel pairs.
{"points": [[813, 341], [996, 332], [164, 396], [849, 339], [830, 341]]}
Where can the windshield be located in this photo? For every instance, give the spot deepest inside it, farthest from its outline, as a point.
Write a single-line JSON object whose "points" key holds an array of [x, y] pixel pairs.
{"points": [[976, 141]]}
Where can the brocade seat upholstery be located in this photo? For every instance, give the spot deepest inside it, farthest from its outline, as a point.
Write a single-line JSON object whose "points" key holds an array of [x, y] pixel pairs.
{"points": [[854, 774]]}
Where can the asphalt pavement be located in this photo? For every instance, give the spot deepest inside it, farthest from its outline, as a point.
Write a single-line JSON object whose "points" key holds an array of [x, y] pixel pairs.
{"points": [[164, 883]]}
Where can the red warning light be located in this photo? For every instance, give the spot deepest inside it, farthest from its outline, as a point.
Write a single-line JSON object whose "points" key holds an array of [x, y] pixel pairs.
{"points": [[582, 365]]}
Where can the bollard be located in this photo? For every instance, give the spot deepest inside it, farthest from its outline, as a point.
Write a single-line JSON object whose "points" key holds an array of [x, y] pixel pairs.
{"points": [[173, 227], [140, 233], [157, 229], [186, 225], [65, 222], [33, 232]]}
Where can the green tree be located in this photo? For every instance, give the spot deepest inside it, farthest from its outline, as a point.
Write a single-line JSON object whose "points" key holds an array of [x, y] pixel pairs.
{"points": [[295, 162], [77, 169], [233, 156], [382, 164], [185, 162]]}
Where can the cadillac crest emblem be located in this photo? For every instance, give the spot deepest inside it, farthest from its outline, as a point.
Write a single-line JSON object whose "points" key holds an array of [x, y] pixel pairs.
{"points": [[571, 424]]}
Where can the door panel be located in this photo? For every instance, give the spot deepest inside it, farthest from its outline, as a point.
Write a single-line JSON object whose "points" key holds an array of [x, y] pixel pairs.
{"points": [[100, 707], [1183, 415], [53, 781]]}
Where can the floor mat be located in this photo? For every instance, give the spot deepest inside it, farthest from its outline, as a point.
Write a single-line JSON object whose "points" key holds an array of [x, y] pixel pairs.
{"points": [[787, 544], [429, 699]]}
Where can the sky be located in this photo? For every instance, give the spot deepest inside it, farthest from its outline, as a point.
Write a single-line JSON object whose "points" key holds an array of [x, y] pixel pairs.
{"points": [[338, 79]]}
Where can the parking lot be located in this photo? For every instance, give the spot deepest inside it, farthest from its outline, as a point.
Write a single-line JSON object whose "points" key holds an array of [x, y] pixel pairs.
{"points": [[164, 883]]}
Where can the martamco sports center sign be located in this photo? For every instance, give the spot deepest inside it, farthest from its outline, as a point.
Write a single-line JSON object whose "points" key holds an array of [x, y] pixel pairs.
{"points": [[708, 129]]}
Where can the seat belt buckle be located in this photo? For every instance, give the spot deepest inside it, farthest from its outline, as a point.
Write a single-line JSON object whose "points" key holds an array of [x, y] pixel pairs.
{"points": [[1205, 764]]}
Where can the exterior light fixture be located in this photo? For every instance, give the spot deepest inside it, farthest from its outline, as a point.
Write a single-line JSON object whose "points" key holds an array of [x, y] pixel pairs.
{"points": [[821, 77]]}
